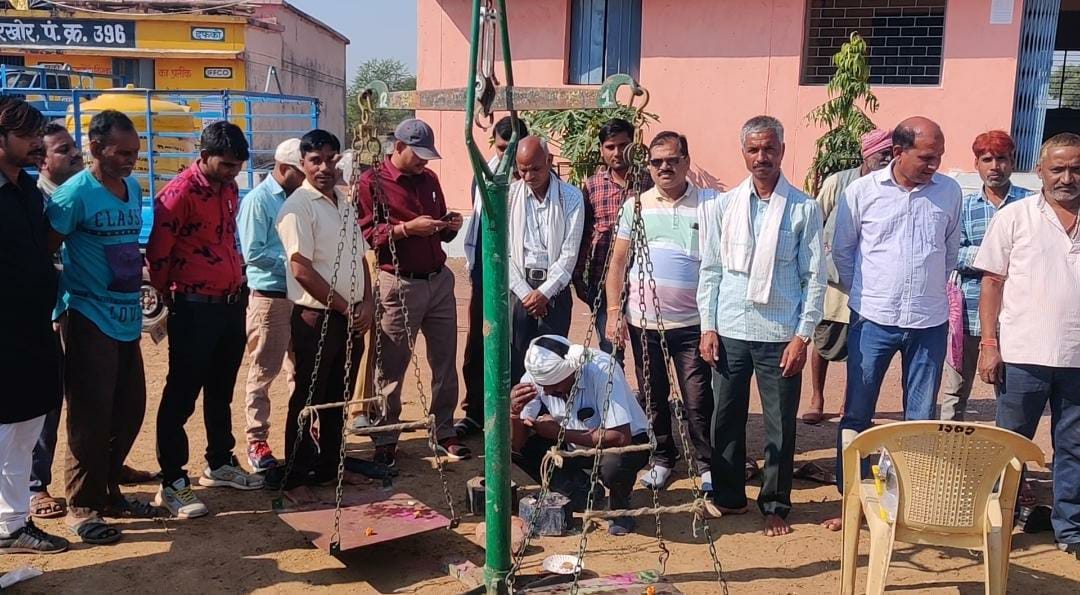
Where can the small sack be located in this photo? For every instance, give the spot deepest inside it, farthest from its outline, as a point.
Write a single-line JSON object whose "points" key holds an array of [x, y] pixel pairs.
{"points": [[954, 357]]}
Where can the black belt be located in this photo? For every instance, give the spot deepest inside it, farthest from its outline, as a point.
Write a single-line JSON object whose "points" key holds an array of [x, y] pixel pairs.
{"points": [[277, 295], [198, 298], [536, 274], [421, 276]]}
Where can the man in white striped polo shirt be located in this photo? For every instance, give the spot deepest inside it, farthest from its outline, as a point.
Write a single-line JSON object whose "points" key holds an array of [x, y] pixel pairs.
{"points": [[669, 214]]}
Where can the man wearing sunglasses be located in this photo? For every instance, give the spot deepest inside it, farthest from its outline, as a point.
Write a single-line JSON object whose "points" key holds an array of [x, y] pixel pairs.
{"points": [[761, 292], [669, 213], [830, 337]]}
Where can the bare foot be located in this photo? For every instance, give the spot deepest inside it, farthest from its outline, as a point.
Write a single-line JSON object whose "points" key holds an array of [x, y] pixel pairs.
{"points": [[300, 495], [833, 524], [816, 413], [775, 526]]}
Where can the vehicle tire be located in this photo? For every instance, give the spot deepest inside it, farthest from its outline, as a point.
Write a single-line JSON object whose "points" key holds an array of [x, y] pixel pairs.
{"points": [[153, 306]]}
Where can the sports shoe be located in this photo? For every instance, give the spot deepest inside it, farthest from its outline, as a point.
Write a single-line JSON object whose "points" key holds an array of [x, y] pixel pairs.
{"points": [[31, 540], [706, 481], [260, 456], [178, 498], [386, 455], [656, 477], [453, 450], [230, 475]]}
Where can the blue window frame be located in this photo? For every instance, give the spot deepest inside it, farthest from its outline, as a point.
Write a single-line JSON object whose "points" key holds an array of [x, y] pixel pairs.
{"points": [[605, 39]]}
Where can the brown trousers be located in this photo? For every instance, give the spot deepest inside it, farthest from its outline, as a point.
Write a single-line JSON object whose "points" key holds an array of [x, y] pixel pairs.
{"points": [[105, 390], [433, 310]]}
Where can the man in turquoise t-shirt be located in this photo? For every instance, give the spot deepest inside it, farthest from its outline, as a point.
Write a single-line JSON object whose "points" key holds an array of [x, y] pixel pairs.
{"points": [[97, 216]]}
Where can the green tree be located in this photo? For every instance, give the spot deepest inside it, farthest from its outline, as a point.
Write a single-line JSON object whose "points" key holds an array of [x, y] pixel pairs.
{"points": [[844, 114], [397, 77], [574, 134], [1065, 85]]}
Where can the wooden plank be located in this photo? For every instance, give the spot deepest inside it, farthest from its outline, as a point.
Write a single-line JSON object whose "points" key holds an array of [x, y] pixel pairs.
{"points": [[629, 583], [366, 519]]}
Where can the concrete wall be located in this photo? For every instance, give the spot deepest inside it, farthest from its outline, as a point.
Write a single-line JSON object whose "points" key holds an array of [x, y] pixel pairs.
{"points": [[309, 60], [709, 70]]}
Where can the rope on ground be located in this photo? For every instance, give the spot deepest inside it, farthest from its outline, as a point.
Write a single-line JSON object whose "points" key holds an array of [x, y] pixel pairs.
{"points": [[697, 506]]}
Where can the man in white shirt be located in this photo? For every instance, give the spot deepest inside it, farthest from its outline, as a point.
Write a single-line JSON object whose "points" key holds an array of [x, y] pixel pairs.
{"points": [[547, 217], [600, 411], [897, 239], [1030, 315], [310, 226]]}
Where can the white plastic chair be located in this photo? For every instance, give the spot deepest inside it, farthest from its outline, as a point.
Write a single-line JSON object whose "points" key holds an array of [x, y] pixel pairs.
{"points": [[958, 484]]}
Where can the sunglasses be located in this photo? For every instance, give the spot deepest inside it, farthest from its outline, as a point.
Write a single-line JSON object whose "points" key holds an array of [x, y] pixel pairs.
{"points": [[668, 161]]}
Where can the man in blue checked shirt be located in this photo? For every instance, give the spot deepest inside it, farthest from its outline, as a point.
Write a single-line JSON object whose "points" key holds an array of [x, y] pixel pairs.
{"points": [[994, 162], [269, 309]]}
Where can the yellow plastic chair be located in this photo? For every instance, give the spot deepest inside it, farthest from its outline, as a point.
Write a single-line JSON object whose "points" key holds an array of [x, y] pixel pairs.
{"points": [[957, 487]]}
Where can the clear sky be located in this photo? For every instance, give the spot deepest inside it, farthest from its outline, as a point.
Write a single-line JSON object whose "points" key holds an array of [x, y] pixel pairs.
{"points": [[375, 28]]}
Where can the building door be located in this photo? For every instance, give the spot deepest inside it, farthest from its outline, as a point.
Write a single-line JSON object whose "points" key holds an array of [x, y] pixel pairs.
{"points": [[1037, 33], [137, 71]]}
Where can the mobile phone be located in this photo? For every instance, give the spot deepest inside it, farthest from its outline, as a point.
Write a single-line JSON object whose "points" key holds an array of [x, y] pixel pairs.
{"points": [[449, 216]]}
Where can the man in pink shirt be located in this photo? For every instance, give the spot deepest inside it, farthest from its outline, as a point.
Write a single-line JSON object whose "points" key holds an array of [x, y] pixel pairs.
{"points": [[1030, 314]]}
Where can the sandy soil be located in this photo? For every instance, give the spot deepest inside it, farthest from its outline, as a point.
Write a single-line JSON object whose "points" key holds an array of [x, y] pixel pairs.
{"points": [[243, 546]]}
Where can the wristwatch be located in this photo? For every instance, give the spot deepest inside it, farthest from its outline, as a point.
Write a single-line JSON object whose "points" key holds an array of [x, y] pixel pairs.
{"points": [[805, 340]]}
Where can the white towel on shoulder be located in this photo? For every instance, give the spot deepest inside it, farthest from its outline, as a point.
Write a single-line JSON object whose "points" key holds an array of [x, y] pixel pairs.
{"points": [[738, 250]]}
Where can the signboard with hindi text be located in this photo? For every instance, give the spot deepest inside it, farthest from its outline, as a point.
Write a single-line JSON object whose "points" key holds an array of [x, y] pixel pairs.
{"points": [[67, 32]]}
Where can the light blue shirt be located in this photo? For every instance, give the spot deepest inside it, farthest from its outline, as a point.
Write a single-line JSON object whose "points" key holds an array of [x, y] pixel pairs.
{"points": [[798, 284], [103, 266], [894, 248], [259, 242]]}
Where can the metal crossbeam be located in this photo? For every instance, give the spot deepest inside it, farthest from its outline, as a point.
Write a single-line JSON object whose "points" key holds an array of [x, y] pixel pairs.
{"points": [[520, 98]]}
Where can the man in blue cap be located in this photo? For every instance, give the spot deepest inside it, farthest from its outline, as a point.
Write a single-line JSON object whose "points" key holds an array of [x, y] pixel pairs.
{"points": [[415, 222]]}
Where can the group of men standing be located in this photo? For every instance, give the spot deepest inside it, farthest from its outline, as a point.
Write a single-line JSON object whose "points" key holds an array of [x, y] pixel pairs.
{"points": [[745, 280]]}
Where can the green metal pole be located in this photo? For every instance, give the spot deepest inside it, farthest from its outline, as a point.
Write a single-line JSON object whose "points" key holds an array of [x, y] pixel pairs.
{"points": [[494, 187]]}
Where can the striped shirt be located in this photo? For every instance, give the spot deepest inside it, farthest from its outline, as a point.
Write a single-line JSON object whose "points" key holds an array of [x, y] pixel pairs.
{"points": [[975, 215], [671, 229], [798, 285], [1040, 308]]}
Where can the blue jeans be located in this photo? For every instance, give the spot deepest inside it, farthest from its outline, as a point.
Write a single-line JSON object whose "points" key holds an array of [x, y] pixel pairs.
{"points": [[871, 348], [1020, 406]]}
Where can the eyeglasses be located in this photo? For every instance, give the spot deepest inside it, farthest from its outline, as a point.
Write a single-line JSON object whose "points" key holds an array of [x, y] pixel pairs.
{"points": [[668, 161]]}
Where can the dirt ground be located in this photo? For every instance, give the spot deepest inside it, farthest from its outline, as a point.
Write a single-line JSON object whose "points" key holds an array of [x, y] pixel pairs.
{"points": [[243, 546]]}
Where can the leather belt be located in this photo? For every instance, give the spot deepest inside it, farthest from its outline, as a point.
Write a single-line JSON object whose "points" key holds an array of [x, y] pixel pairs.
{"points": [[277, 295], [198, 298], [536, 274], [422, 276]]}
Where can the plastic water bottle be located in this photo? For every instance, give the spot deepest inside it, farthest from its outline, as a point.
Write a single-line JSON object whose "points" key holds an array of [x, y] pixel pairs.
{"points": [[887, 487]]}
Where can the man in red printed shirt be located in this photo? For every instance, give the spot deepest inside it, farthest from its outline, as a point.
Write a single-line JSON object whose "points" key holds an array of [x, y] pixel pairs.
{"points": [[194, 262]]}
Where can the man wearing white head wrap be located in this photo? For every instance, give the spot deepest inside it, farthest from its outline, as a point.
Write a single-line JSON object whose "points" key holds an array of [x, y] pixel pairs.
{"points": [[541, 403]]}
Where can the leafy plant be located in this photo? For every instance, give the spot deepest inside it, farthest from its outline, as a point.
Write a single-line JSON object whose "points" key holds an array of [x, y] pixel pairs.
{"points": [[1065, 85], [573, 134], [843, 114], [397, 77]]}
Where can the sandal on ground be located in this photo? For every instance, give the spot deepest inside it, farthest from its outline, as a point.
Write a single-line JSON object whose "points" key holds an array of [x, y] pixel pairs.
{"points": [[130, 476], [814, 417], [813, 472], [131, 508], [752, 469], [96, 532], [44, 506]]}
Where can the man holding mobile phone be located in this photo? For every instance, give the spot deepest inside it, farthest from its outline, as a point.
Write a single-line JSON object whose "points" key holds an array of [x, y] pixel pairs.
{"points": [[418, 283]]}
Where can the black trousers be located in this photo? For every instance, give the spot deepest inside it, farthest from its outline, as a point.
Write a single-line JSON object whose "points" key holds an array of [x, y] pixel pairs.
{"points": [[695, 383], [206, 346], [525, 328], [472, 369], [617, 471], [779, 405], [318, 462]]}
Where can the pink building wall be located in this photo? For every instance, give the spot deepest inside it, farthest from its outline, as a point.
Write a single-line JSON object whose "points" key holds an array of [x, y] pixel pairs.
{"points": [[709, 69]]}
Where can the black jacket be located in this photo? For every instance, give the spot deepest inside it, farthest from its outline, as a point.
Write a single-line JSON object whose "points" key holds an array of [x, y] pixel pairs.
{"points": [[29, 349]]}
